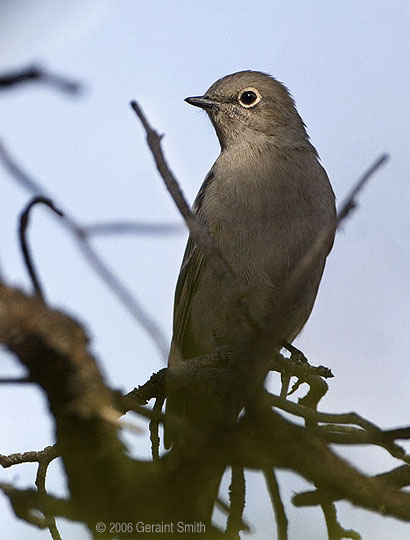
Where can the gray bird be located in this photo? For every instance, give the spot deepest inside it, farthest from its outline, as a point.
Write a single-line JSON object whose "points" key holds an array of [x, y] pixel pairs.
{"points": [[264, 202]]}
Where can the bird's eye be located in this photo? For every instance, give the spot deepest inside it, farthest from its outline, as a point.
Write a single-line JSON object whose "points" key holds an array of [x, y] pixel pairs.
{"points": [[249, 97]]}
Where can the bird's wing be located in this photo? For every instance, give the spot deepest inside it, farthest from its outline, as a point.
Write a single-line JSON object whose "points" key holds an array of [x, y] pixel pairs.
{"points": [[187, 285], [182, 346], [189, 279]]}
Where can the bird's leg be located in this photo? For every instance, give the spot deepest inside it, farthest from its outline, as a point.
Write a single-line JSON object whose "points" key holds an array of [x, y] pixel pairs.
{"points": [[285, 385]]}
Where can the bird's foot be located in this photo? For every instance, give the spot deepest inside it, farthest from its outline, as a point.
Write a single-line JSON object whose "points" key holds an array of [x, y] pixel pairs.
{"points": [[224, 354], [295, 354]]}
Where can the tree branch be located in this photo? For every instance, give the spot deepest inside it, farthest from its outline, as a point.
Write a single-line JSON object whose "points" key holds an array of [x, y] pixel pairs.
{"points": [[38, 75], [24, 221]]}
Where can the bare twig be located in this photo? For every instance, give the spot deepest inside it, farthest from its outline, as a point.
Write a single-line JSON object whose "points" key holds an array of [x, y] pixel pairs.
{"points": [[95, 261], [43, 458], [398, 477], [154, 143], [350, 203], [200, 235], [38, 75], [224, 507], [279, 509], [303, 269], [334, 530], [41, 487], [47, 455], [24, 221]]}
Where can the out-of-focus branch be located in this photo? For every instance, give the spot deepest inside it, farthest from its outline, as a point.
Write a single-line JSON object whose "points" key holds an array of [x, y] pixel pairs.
{"points": [[25, 501], [47, 455], [15, 380], [105, 484], [278, 508], [398, 477], [37, 74], [334, 530], [41, 487], [237, 500], [341, 434], [24, 221], [266, 440], [54, 349], [90, 254], [132, 227]]}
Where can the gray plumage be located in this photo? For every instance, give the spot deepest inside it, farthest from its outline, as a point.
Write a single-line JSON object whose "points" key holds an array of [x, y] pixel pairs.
{"points": [[264, 202]]}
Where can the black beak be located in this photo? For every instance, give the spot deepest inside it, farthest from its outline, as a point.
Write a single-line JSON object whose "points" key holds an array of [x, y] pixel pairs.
{"points": [[201, 101]]}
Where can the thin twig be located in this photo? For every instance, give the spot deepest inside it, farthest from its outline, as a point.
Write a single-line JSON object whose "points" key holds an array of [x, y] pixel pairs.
{"points": [[302, 271], [47, 455], [224, 507], [15, 380], [334, 530], [41, 487], [200, 235], [24, 222], [279, 509], [110, 279], [350, 203], [43, 458]]}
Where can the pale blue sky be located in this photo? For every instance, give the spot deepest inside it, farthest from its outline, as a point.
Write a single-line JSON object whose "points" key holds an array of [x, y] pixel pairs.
{"points": [[345, 62]]}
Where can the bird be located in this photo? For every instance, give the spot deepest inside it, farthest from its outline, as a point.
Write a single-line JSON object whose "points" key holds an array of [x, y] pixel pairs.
{"points": [[264, 202]]}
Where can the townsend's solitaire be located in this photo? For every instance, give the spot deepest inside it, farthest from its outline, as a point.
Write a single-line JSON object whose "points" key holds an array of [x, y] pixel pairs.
{"points": [[264, 202]]}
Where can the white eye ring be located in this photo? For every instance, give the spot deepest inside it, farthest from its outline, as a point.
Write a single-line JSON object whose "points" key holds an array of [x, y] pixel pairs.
{"points": [[249, 97]]}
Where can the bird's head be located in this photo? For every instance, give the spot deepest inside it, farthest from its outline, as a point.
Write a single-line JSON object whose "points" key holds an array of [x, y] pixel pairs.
{"points": [[250, 105]]}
